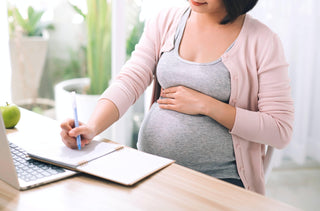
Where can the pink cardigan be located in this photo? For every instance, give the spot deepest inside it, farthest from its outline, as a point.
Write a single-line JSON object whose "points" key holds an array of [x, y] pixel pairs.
{"points": [[260, 88]]}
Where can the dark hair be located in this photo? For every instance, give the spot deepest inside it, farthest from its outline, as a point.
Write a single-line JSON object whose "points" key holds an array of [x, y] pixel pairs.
{"points": [[235, 8]]}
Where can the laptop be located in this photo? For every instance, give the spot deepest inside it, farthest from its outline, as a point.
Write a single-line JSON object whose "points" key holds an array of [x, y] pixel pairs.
{"points": [[22, 172]]}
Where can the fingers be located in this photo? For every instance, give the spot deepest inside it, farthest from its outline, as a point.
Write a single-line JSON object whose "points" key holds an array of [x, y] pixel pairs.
{"points": [[71, 141], [168, 95], [68, 140], [169, 90], [74, 132], [173, 92], [168, 104], [67, 124], [78, 131], [166, 101], [169, 107], [69, 133]]}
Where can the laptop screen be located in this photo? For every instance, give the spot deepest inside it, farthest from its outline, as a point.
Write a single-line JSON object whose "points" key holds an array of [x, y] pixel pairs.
{"points": [[7, 169]]}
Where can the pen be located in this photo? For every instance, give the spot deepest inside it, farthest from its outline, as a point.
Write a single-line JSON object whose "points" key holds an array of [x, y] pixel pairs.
{"points": [[76, 122]]}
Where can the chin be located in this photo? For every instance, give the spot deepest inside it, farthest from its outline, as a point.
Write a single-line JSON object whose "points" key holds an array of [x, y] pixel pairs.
{"points": [[198, 10]]}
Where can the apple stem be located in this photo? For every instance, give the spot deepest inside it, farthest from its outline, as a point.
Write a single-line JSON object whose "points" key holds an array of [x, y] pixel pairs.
{"points": [[7, 103]]}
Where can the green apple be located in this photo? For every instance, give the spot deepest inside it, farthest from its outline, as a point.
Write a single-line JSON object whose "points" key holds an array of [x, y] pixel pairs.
{"points": [[10, 114]]}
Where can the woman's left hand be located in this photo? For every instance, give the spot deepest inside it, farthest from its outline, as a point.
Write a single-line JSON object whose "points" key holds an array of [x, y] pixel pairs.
{"points": [[183, 100]]}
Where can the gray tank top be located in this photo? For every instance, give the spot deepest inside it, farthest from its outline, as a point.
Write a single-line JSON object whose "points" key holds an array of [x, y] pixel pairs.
{"points": [[194, 141]]}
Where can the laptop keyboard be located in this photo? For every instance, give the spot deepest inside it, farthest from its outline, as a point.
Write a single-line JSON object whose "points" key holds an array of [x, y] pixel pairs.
{"points": [[29, 169]]}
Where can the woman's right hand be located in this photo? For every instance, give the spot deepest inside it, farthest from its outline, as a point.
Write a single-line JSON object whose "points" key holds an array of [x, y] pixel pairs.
{"points": [[70, 132]]}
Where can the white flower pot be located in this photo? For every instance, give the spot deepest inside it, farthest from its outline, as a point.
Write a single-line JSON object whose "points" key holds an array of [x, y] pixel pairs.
{"points": [[28, 56]]}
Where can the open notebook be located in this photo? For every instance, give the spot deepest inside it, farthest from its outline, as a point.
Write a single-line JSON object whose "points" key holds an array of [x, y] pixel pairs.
{"points": [[102, 159]]}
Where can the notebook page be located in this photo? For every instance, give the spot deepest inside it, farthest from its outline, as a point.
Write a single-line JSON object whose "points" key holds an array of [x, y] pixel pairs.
{"points": [[60, 154]]}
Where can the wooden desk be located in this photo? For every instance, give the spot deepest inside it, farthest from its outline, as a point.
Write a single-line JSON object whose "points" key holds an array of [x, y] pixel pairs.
{"points": [[173, 188]]}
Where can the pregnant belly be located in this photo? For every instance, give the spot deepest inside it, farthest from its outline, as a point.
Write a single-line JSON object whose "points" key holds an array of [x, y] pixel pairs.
{"points": [[189, 139]]}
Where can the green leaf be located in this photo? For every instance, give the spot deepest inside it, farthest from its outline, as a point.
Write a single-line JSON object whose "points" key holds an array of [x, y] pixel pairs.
{"points": [[79, 11], [99, 45], [10, 12], [34, 19], [31, 25], [30, 11], [20, 19]]}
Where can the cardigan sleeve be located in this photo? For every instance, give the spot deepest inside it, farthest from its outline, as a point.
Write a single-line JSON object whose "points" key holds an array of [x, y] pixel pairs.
{"points": [[137, 74], [272, 123]]}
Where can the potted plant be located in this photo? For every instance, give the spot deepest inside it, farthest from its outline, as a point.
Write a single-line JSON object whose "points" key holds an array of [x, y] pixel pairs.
{"points": [[98, 62], [28, 50], [98, 54]]}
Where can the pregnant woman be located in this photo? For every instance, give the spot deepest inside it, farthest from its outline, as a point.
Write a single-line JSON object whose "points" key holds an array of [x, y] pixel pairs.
{"points": [[221, 92]]}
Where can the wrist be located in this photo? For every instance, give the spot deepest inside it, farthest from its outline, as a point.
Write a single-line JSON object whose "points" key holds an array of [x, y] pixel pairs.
{"points": [[207, 105], [219, 111], [93, 130]]}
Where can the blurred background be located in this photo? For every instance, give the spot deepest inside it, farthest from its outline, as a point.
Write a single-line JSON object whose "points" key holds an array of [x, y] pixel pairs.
{"points": [[49, 48]]}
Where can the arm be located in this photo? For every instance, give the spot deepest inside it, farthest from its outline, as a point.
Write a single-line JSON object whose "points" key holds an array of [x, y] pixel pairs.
{"points": [[271, 122], [221, 112], [135, 76], [103, 116]]}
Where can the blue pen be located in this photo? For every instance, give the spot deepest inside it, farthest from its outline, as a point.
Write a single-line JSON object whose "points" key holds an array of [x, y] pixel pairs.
{"points": [[76, 122]]}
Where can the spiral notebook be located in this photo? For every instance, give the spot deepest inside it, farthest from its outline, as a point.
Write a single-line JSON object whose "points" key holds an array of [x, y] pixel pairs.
{"points": [[106, 160]]}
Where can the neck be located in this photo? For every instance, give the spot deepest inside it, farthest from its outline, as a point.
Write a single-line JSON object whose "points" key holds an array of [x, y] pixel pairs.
{"points": [[207, 19]]}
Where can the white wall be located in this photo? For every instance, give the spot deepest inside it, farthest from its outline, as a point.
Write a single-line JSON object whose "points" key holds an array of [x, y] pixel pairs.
{"points": [[5, 67]]}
